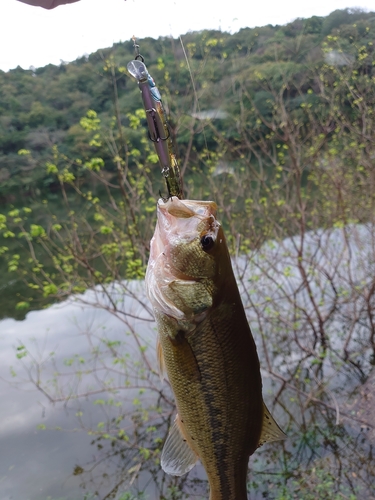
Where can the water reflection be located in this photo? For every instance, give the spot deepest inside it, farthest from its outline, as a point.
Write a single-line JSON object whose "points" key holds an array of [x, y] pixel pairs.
{"points": [[94, 358], [57, 340]]}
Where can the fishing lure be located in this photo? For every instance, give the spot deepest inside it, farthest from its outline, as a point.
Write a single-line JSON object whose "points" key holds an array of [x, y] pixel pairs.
{"points": [[159, 132]]}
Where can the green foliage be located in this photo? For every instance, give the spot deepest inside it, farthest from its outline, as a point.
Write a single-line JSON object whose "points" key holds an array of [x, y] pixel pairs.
{"points": [[95, 164], [130, 496], [290, 155], [21, 352], [90, 122], [317, 482], [68, 106]]}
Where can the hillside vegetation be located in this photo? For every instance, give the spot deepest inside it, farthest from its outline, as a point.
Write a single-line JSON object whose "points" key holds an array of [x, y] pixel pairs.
{"points": [[288, 136]]}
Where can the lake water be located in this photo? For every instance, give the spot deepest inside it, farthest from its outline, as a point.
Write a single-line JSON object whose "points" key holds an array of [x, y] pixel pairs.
{"points": [[100, 346], [37, 463]]}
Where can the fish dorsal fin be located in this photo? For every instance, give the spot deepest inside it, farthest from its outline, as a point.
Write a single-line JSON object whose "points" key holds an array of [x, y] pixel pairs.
{"points": [[177, 457], [160, 359], [270, 430]]}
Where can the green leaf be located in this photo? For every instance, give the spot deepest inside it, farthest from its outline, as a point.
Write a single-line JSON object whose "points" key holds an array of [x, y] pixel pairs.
{"points": [[51, 168], [22, 305], [37, 231], [23, 152], [50, 289], [95, 164]]}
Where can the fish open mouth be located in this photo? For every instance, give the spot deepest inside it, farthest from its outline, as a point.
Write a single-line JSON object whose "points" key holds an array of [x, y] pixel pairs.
{"points": [[176, 208], [178, 218], [187, 208]]}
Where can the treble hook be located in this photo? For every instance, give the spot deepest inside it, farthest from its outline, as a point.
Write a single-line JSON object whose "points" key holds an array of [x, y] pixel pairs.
{"points": [[156, 133]]}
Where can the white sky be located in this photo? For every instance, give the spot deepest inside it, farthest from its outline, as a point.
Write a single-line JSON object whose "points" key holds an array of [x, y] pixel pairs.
{"points": [[32, 36]]}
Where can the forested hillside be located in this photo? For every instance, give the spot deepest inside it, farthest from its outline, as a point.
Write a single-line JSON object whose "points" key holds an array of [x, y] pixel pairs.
{"points": [[276, 107]]}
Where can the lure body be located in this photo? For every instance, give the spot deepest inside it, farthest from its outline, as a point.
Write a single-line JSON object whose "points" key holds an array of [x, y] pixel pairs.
{"points": [[158, 127]]}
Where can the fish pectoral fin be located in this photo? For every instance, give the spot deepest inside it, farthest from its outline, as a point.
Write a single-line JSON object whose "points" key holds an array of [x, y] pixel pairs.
{"points": [[160, 359], [190, 297], [177, 457], [270, 430]]}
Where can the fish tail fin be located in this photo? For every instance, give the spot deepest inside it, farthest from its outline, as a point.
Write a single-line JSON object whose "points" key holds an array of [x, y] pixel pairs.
{"points": [[270, 429]]}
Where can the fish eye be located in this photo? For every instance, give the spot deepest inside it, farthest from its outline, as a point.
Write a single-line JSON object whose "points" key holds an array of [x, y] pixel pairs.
{"points": [[207, 242]]}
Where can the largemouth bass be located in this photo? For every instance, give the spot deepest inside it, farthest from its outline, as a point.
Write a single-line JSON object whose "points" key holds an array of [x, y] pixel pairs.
{"points": [[207, 350]]}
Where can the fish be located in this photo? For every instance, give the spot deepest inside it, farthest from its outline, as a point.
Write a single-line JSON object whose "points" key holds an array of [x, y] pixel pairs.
{"points": [[206, 348]]}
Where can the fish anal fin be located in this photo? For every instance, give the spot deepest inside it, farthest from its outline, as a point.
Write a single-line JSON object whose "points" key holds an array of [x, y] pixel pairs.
{"points": [[160, 359], [177, 457], [270, 429]]}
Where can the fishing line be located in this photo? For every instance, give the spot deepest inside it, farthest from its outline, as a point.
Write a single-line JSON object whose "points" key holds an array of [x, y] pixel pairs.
{"points": [[191, 74], [195, 92], [174, 14]]}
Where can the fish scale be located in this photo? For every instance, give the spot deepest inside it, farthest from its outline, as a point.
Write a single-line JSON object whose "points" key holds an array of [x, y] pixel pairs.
{"points": [[213, 405]]}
